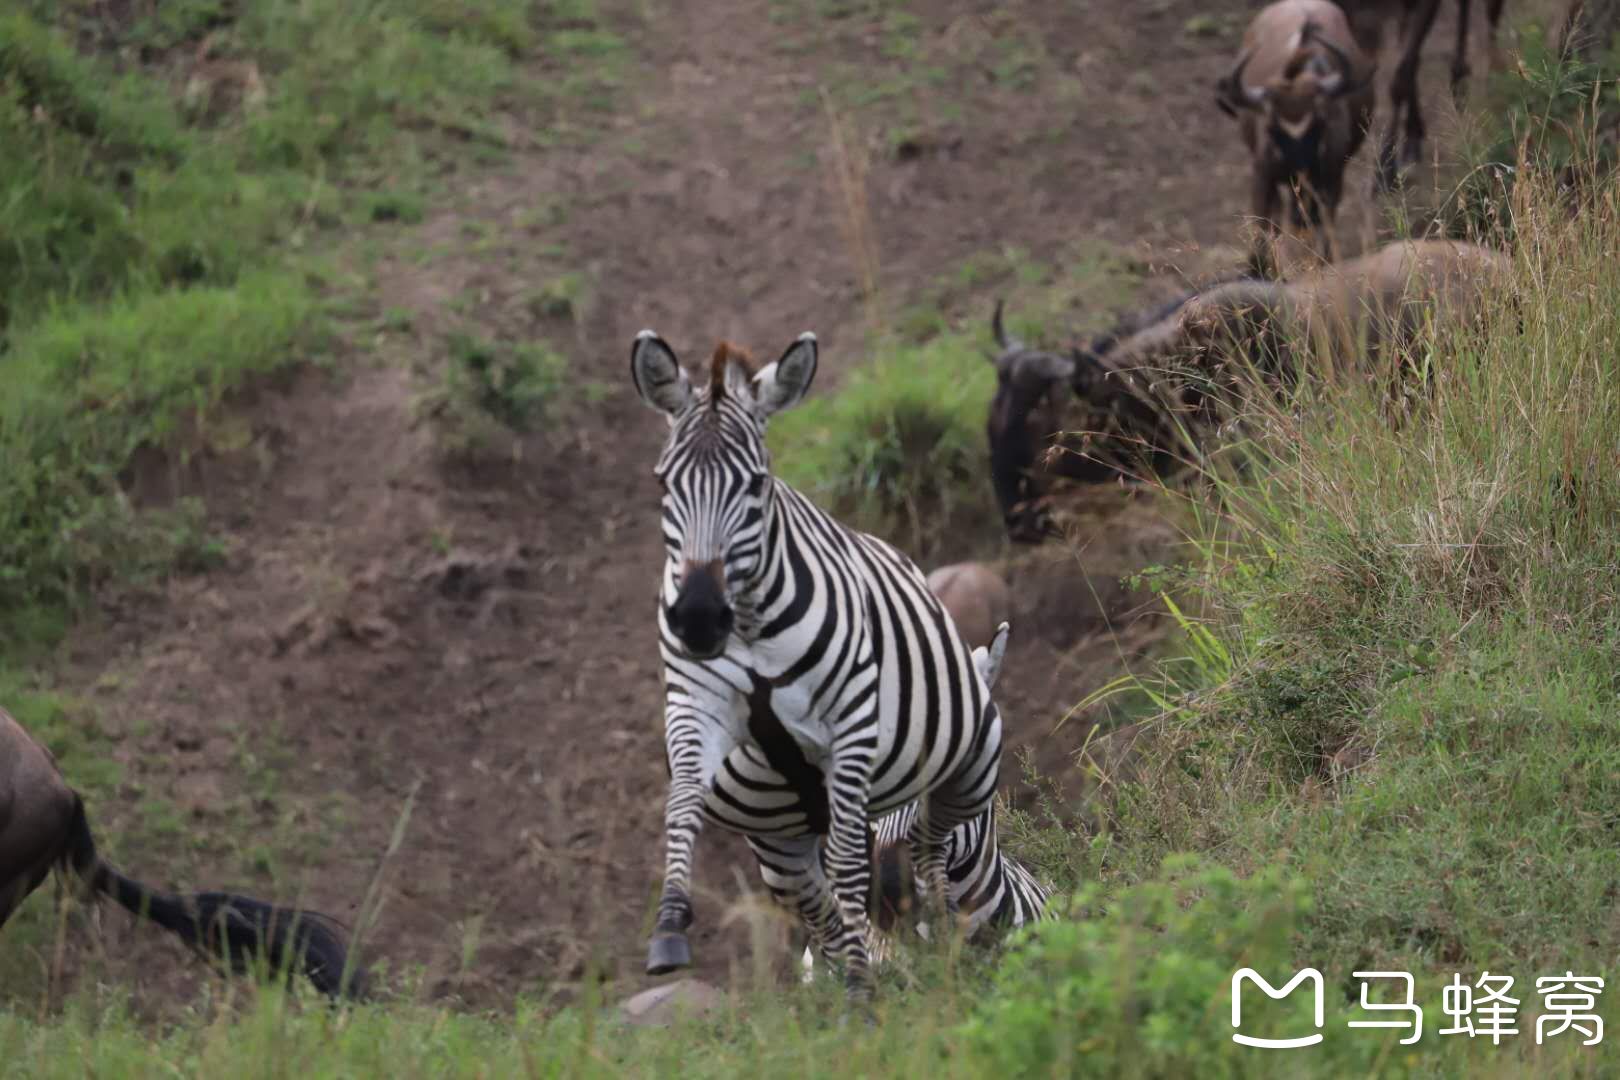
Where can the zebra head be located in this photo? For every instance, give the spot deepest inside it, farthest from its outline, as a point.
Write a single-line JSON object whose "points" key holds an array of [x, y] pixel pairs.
{"points": [[715, 472]]}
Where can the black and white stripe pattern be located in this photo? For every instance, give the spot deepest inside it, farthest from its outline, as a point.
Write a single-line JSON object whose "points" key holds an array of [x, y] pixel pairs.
{"points": [[812, 680], [987, 886]]}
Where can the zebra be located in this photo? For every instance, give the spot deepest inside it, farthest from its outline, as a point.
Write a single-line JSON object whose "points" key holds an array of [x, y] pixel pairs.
{"points": [[811, 679], [987, 885]]}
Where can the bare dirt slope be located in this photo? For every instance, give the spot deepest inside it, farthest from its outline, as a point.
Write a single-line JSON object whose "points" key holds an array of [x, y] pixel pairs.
{"points": [[389, 629]]}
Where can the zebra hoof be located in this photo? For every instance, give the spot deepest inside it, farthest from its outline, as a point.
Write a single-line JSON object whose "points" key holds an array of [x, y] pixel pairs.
{"points": [[668, 951]]}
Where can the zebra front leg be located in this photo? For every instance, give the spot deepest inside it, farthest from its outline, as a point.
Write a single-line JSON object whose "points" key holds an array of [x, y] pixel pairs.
{"points": [[669, 950], [849, 864]]}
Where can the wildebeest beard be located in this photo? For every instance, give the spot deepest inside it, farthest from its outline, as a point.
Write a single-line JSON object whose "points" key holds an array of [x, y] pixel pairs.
{"points": [[1300, 156]]}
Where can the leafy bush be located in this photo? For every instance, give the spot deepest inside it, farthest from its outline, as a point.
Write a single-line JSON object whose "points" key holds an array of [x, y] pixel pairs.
{"points": [[1133, 985], [492, 391]]}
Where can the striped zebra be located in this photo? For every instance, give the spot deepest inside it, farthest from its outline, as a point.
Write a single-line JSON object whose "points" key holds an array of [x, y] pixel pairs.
{"points": [[812, 681], [987, 886]]}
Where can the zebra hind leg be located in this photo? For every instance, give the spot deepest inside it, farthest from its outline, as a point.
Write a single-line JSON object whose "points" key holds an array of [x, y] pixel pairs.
{"points": [[949, 810], [792, 871]]}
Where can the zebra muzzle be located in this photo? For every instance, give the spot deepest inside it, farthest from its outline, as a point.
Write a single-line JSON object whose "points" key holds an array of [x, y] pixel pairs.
{"points": [[700, 617]]}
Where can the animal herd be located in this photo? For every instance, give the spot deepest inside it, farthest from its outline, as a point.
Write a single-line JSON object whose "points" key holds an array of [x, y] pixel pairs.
{"points": [[822, 697]]}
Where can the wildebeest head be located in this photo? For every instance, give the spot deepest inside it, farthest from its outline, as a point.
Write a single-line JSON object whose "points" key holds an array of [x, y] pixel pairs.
{"points": [[1293, 104], [1038, 425]]}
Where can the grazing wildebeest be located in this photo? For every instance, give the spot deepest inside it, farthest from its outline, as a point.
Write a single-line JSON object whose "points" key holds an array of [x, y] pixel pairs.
{"points": [[1116, 408], [1303, 91], [1413, 20], [43, 827]]}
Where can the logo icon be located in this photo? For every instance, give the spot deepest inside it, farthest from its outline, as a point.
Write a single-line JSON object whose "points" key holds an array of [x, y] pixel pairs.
{"points": [[1311, 974]]}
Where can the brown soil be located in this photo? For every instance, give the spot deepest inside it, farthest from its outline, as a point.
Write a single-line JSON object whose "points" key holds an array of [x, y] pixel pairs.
{"points": [[392, 631]]}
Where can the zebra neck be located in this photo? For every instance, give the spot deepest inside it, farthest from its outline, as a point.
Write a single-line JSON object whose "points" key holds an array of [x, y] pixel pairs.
{"points": [[774, 590]]}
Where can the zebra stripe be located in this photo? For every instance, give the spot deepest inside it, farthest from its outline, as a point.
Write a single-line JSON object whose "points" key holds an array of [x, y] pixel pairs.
{"points": [[812, 680], [987, 886]]}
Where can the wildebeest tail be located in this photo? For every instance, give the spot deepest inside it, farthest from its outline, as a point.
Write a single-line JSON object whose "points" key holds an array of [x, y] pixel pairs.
{"points": [[237, 929]]}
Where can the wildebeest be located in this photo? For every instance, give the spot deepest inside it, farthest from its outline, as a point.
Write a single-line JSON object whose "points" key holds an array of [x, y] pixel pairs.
{"points": [[1303, 91], [1413, 20], [1116, 408], [43, 828], [975, 596]]}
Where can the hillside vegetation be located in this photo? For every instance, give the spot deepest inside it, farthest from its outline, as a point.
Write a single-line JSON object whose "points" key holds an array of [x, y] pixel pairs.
{"points": [[1392, 742]]}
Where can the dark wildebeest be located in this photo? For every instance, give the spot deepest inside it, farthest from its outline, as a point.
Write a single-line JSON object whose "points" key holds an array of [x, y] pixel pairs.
{"points": [[43, 827], [1117, 408], [1413, 20], [1303, 91]]}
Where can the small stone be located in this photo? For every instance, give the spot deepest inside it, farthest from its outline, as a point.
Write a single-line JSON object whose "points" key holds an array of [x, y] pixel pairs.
{"points": [[661, 1006]]}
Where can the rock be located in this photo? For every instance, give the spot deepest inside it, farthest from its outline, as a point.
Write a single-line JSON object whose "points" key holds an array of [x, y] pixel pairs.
{"points": [[661, 1006]]}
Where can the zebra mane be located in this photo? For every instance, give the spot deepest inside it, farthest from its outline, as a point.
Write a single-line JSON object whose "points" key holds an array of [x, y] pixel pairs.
{"points": [[728, 357]]}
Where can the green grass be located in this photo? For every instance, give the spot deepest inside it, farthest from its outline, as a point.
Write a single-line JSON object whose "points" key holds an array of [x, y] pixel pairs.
{"points": [[1439, 593], [84, 393], [158, 256]]}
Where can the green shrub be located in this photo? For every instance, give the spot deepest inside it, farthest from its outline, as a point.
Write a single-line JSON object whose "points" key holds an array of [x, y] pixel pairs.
{"points": [[1135, 984], [901, 447], [491, 392]]}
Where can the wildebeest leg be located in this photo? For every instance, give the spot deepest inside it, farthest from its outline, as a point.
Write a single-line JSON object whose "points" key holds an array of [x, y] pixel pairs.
{"points": [[1419, 23], [1264, 202], [16, 890], [1403, 98], [1319, 201], [1459, 52], [1493, 20]]}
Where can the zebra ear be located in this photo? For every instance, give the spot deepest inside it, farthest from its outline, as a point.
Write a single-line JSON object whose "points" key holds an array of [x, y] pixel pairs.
{"points": [[781, 385], [988, 659], [658, 375]]}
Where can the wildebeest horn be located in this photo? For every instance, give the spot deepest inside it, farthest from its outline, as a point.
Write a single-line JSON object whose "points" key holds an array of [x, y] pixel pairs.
{"points": [[1231, 91], [1339, 83], [1001, 334]]}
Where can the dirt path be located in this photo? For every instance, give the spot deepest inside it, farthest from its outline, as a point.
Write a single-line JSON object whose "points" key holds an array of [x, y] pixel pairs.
{"points": [[476, 643]]}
